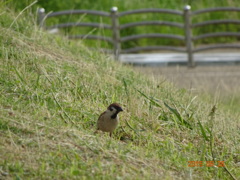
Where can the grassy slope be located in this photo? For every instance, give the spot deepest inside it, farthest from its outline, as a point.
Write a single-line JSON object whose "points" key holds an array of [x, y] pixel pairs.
{"points": [[51, 93]]}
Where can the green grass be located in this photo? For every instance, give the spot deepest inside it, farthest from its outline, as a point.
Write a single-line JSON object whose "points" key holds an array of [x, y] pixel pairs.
{"points": [[52, 92]]}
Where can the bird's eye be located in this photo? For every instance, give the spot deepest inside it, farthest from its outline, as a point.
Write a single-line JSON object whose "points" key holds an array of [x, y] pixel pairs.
{"points": [[111, 109]]}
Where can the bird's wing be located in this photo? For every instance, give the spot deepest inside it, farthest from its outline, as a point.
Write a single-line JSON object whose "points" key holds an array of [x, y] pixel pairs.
{"points": [[101, 118]]}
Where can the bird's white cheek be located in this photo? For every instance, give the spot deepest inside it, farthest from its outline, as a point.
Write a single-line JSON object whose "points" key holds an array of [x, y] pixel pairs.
{"points": [[110, 113]]}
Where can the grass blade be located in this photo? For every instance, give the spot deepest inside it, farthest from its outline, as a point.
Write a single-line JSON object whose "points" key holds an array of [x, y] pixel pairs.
{"points": [[154, 102], [18, 74], [178, 115], [203, 131]]}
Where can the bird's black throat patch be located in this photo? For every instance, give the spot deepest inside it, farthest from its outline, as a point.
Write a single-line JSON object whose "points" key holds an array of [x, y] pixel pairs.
{"points": [[114, 115]]}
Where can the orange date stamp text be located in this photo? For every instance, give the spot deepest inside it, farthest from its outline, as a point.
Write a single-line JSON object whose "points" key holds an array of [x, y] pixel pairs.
{"points": [[207, 163]]}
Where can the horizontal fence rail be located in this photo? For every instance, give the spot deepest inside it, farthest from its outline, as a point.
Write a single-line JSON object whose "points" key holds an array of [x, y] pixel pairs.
{"points": [[209, 10], [150, 10], [214, 22], [216, 46], [72, 12], [143, 23], [221, 34], [154, 35], [95, 25], [108, 39], [153, 48], [187, 26]]}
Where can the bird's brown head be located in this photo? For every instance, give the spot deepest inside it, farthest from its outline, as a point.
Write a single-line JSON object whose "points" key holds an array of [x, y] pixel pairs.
{"points": [[115, 106]]}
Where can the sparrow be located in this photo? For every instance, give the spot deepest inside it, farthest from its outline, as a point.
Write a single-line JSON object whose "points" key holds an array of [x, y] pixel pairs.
{"points": [[108, 120]]}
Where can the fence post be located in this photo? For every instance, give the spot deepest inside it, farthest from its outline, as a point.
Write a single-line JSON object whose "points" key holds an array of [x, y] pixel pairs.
{"points": [[41, 17], [188, 35], [115, 33]]}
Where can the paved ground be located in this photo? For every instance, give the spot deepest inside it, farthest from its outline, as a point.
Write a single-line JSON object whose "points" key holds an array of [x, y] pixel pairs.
{"points": [[215, 73], [225, 79], [166, 59]]}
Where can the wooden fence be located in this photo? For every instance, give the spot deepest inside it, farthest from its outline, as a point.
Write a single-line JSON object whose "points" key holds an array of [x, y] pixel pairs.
{"points": [[116, 40]]}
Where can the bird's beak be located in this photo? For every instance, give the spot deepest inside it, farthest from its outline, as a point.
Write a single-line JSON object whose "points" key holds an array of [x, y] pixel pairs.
{"points": [[120, 109]]}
